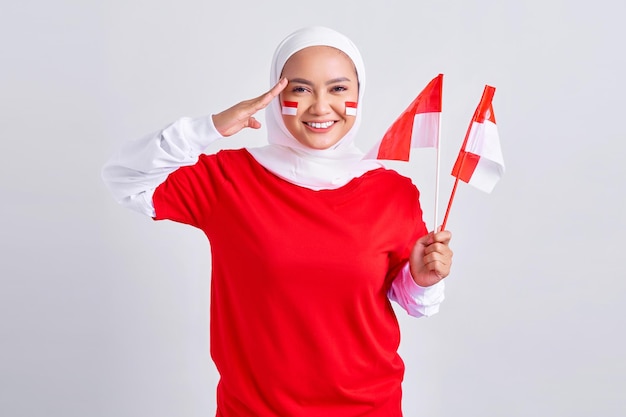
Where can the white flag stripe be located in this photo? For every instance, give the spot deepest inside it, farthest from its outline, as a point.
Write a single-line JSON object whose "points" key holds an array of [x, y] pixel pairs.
{"points": [[486, 175], [350, 111], [484, 141], [290, 111], [425, 130]]}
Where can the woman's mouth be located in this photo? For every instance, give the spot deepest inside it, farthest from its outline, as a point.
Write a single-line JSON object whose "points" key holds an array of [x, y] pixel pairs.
{"points": [[320, 125]]}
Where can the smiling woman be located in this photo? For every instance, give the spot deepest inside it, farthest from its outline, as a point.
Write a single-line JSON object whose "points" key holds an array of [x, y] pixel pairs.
{"points": [[321, 80], [309, 240]]}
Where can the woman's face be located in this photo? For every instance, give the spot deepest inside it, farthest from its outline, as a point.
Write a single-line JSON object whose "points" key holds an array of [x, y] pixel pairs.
{"points": [[321, 80]]}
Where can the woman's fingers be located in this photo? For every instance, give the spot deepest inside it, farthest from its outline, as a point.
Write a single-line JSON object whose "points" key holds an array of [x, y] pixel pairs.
{"points": [[443, 236], [240, 116], [437, 253], [264, 100], [254, 123]]}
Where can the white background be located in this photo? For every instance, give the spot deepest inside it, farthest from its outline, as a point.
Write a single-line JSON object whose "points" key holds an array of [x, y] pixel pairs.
{"points": [[105, 313]]}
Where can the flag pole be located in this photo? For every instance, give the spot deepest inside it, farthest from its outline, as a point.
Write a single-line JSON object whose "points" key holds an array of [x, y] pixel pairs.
{"points": [[437, 168], [445, 218], [456, 177], [437, 173]]}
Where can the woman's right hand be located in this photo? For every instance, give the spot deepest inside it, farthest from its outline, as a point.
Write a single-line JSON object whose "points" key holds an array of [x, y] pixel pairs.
{"points": [[241, 115]]}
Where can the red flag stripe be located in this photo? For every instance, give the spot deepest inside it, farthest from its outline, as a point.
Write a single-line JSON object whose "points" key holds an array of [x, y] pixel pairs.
{"points": [[484, 111], [429, 101], [465, 165]]}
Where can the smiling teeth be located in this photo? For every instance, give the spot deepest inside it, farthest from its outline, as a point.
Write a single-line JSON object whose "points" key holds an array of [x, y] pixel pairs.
{"points": [[321, 125]]}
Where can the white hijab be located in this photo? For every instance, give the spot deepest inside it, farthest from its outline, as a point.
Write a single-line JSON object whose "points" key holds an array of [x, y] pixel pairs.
{"points": [[289, 159]]}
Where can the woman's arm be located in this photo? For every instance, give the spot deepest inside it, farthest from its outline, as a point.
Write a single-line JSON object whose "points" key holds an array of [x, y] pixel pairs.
{"points": [[419, 286], [417, 301], [140, 166]]}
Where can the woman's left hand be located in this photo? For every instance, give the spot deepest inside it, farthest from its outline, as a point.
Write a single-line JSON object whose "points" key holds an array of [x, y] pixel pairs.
{"points": [[431, 258]]}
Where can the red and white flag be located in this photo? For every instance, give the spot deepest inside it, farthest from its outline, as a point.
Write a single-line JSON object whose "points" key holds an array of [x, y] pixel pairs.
{"points": [[351, 108], [290, 108], [417, 126], [480, 161]]}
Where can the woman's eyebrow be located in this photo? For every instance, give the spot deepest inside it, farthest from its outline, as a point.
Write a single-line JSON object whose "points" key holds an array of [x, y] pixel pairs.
{"points": [[338, 80], [329, 82], [301, 81]]}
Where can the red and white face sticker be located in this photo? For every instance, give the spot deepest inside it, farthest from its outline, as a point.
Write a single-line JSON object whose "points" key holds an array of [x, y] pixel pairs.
{"points": [[290, 108], [350, 108]]}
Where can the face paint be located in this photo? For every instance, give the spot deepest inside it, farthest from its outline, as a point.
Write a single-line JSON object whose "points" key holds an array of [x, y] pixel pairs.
{"points": [[290, 108], [350, 108]]}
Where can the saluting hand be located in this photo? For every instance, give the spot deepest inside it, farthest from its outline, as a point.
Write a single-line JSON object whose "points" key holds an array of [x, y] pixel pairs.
{"points": [[431, 258], [241, 115]]}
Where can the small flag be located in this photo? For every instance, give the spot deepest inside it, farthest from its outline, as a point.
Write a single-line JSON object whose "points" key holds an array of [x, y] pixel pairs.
{"points": [[480, 161], [290, 108], [350, 108], [417, 126]]}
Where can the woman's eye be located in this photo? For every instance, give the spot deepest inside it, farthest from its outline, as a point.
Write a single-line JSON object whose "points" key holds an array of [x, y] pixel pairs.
{"points": [[298, 89], [339, 88]]}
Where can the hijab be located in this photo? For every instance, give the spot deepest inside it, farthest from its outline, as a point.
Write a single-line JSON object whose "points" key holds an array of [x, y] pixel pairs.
{"points": [[285, 156]]}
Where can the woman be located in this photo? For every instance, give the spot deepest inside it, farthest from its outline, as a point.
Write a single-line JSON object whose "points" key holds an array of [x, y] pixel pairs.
{"points": [[309, 241]]}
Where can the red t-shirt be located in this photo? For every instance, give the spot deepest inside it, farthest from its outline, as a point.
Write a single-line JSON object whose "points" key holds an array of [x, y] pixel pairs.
{"points": [[300, 320]]}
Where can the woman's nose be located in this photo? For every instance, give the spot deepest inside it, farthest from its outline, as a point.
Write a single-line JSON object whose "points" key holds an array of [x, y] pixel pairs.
{"points": [[321, 105]]}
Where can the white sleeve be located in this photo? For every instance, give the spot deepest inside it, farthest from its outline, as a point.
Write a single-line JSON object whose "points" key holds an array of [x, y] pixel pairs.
{"points": [[416, 300], [140, 166]]}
